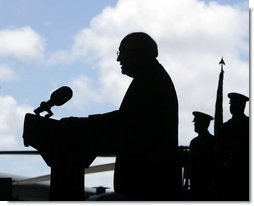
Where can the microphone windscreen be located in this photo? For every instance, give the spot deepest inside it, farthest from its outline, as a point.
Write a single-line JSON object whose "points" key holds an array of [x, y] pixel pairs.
{"points": [[61, 96]]}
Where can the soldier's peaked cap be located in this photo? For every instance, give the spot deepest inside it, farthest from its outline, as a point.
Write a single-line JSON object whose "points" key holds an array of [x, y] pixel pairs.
{"points": [[202, 116], [238, 97]]}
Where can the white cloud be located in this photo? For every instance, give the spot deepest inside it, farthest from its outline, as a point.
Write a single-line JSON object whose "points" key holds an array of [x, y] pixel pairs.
{"points": [[21, 43], [11, 121], [84, 94], [7, 73], [192, 37]]}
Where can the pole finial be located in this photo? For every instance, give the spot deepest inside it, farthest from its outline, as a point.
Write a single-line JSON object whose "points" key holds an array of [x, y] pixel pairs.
{"points": [[222, 61]]}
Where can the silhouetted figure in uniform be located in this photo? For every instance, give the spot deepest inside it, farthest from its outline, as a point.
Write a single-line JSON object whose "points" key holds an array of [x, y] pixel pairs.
{"points": [[232, 153], [143, 133], [201, 159]]}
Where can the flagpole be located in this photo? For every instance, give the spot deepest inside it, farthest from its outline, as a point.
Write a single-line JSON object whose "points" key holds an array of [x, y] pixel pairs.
{"points": [[218, 117]]}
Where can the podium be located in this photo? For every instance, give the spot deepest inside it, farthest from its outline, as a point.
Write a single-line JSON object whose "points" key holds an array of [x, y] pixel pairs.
{"points": [[50, 138]]}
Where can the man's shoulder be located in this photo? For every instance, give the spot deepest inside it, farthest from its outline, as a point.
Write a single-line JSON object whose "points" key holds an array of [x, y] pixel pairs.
{"points": [[194, 140], [231, 120]]}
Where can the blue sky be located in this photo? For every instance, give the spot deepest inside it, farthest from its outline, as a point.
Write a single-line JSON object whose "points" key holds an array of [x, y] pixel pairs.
{"points": [[47, 44]]}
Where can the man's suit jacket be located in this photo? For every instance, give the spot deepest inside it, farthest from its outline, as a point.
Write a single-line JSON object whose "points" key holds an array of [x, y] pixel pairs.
{"points": [[143, 134]]}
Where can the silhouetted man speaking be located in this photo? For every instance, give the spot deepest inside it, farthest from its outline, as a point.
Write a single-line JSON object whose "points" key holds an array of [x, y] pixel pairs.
{"points": [[143, 133]]}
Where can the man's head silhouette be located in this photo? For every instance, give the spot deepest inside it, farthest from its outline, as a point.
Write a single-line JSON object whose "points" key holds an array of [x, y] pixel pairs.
{"points": [[201, 121], [237, 103], [136, 50]]}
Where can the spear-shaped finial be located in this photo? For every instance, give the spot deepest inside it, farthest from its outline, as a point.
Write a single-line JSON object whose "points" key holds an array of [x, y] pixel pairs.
{"points": [[222, 63]]}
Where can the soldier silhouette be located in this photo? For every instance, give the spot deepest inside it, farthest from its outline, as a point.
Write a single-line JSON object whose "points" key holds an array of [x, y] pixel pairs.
{"points": [[143, 133], [201, 158], [232, 153]]}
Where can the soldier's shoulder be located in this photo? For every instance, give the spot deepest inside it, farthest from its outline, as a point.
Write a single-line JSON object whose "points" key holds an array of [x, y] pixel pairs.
{"points": [[194, 140], [227, 123]]}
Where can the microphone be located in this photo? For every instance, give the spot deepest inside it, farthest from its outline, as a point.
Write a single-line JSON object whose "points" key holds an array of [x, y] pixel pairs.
{"points": [[57, 98]]}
